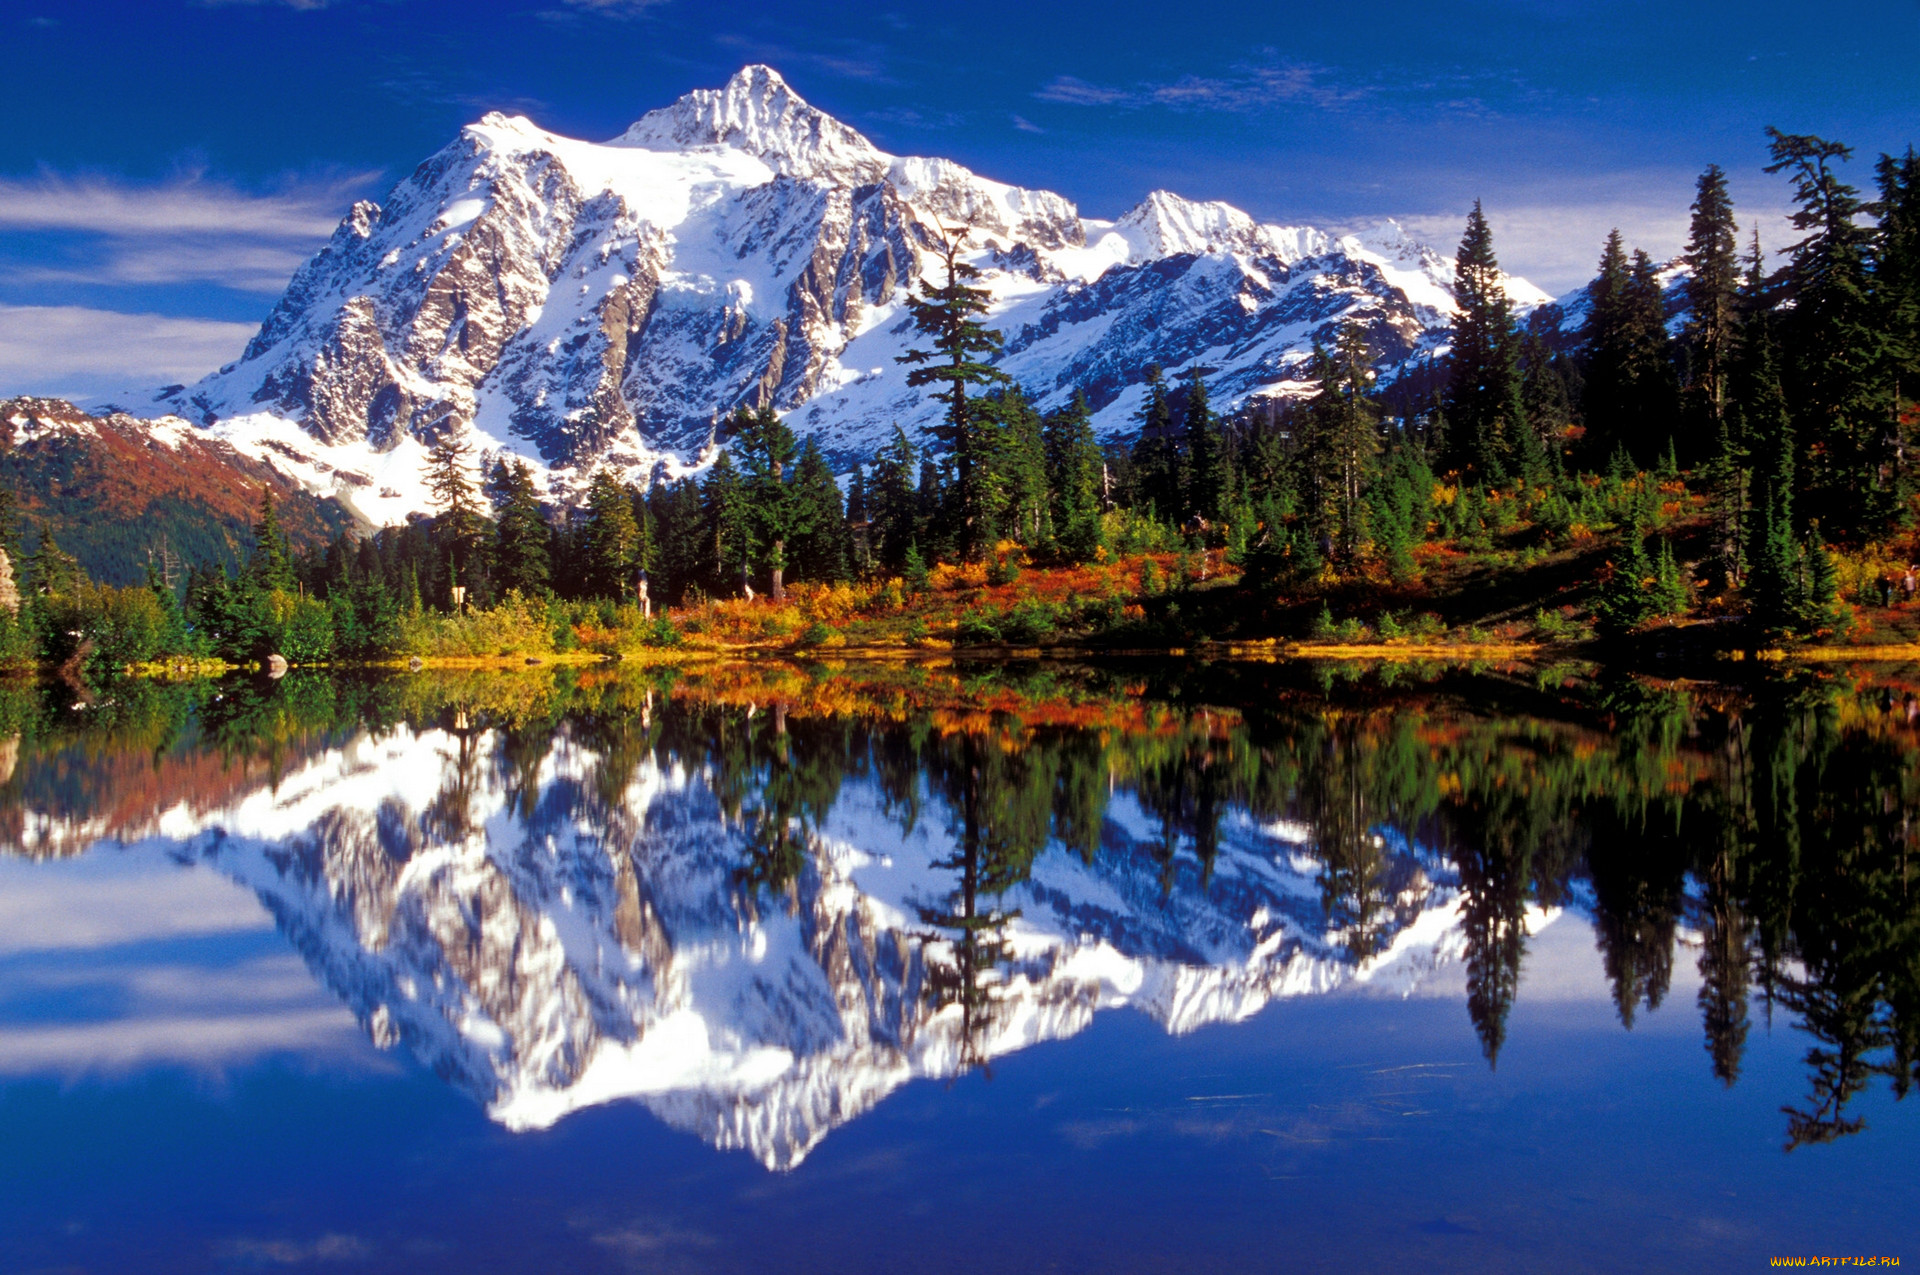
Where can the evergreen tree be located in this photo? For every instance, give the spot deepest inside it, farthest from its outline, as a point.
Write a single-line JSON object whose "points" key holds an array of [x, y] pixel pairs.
{"points": [[451, 490], [767, 450], [1206, 465], [820, 547], [893, 503], [52, 570], [1546, 397], [1712, 294], [681, 546], [519, 530], [1626, 597], [611, 548], [10, 528], [1630, 393], [1025, 515], [1821, 611], [1839, 356], [272, 565], [948, 316], [1671, 594], [1074, 480], [859, 524], [1158, 460], [1484, 411], [732, 544], [1896, 273], [1340, 446], [1773, 579]]}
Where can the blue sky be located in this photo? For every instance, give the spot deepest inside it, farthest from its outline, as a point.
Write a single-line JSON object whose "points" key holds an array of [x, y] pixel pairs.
{"points": [[166, 163]]}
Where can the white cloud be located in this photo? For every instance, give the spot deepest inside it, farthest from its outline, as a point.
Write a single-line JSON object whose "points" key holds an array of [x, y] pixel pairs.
{"points": [[192, 205], [103, 901], [1556, 245], [74, 352], [187, 230]]}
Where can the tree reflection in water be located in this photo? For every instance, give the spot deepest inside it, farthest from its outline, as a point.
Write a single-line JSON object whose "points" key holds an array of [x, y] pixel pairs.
{"points": [[1772, 826]]}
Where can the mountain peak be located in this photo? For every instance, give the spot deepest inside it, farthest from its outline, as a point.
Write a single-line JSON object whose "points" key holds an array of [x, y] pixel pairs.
{"points": [[758, 112]]}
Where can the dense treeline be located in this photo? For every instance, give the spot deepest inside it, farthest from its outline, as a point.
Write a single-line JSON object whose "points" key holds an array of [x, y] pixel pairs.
{"points": [[1780, 400]]}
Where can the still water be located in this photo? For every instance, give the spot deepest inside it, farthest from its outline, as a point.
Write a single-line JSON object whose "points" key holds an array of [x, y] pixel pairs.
{"points": [[1126, 968]]}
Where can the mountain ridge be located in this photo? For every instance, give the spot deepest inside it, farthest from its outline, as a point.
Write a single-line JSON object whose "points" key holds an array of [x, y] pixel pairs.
{"points": [[606, 304]]}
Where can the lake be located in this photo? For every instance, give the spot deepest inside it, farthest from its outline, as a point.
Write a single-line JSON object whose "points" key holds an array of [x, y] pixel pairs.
{"points": [[1137, 966]]}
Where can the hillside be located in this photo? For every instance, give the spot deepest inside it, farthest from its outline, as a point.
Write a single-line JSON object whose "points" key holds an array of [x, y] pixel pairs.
{"points": [[112, 489]]}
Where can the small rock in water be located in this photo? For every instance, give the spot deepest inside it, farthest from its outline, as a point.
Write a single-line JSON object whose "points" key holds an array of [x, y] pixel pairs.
{"points": [[276, 665], [533, 659], [415, 664]]}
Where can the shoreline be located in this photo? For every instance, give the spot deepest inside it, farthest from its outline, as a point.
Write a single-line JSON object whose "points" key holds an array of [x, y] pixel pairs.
{"points": [[1264, 650]]}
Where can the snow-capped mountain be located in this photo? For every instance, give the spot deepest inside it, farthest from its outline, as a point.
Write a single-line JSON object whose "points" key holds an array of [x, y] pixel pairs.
{"points": [[576, 929], [604, 303]]}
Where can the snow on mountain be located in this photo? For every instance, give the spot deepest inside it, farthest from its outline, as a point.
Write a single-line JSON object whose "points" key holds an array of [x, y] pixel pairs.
{"points": [[557, 934], [583, 304]]}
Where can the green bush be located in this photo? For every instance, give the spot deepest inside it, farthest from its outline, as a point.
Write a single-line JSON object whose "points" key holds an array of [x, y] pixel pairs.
{"points": [[977, 628], [1030, 620]]}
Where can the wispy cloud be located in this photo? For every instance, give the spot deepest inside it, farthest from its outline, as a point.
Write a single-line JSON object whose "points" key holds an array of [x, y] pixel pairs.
{"points": [[304, 5], [1555, 243], [76, 352], [187, 230], [907, 117], [848, 60], [1247, 87], [1269, 79], [614, 8], [329, 1248], [191, 204], [1026, 125]]}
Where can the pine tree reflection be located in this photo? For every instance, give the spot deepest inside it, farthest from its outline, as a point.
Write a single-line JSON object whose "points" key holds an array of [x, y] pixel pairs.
{"points": [[1001, 819], [1777, 823]]}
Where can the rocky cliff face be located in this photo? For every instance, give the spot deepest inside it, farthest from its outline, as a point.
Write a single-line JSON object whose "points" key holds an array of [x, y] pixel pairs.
{"points": [[590, 304]]}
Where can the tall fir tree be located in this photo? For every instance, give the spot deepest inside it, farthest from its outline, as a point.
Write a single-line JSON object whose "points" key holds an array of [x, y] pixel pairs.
{"points": [[455, 496], [1340, 446], [948, 315], [272, 566], [1025, 514], [1484, 410], [1158, 459], [1074, 466], [1712, 289], [1896, 277], [1206, 462], [1773, 587], [768, 450], [820, 547], [1839, 356], [1630, 393], [892, 501], [681, 541], [519, 529], [731, 546], [611, 538]]}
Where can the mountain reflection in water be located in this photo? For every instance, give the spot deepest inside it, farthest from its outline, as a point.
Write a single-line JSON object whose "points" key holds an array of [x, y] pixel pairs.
{"points": [[758, 899]]}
